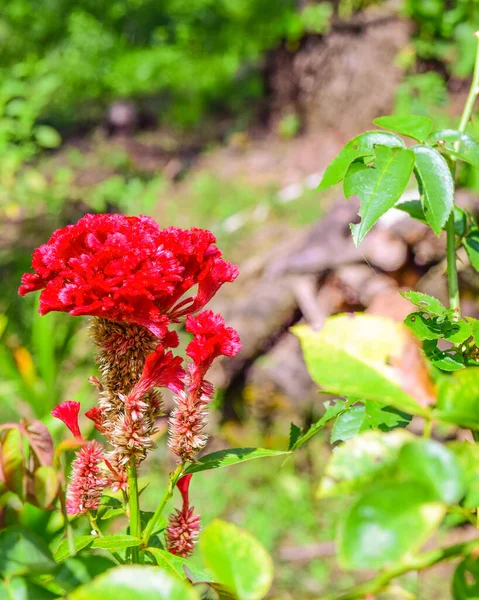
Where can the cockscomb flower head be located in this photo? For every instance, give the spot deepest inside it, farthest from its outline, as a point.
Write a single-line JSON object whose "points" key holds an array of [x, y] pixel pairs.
{"points": [[68, 412], [87, 480], [127, 269], [184, 525]]}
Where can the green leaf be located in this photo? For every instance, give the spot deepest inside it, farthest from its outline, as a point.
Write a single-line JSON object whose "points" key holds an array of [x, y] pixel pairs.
{"points": [[465, 582], [47, 137], [413, 208], [471, 244], [135, 583], [474, 323], [110, 513], [379, 187], [358, 147], [436, 184], [412, 126], [349, 423], [13, 463], [433, 328], [178, 566], [458, 398], [432, 464], [467, 456], [294, 435], [354, 465], [364, 356], [332, 410], [444, 360], [63, 551], [458, 144], [388, 522], [46, 486], [108, 542], [427, 304], [19, 588], [21, 552], [460, 221], [237, 560], [384, 417], [226, 458], [76, 571]]}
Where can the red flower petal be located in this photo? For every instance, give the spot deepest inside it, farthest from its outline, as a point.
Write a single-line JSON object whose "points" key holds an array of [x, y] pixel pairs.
{"points": [[68, 413]]}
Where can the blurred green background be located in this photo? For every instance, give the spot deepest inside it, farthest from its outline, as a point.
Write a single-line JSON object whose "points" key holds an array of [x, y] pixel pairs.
{"points": [[185, 111]]}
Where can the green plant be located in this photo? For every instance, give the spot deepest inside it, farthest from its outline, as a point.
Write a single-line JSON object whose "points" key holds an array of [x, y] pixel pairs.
{"points": [[402, 485]]}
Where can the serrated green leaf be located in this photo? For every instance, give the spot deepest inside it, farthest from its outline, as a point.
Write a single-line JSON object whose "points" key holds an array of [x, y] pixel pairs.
{"points": [[232, 456], [474, 323], [63, 551], [413, 126], [178, 566], [332, 410], [349, 423], [294, 435], [432, 464], [436, 184], [445, 361], [458, 398], [363, 356], [427, 304], [384, 417], [379, 187], [237, 560], [46, 484], [471, 244], [360, 146], [432, 328], [458, 144], [355, 464], [413, 208], [377, 530], [135, 582], [21, 552], [13, 462]]}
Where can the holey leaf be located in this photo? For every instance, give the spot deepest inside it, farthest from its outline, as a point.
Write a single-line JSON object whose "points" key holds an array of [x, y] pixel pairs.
{"points": [[369, 357], [436, 185], [379, 187], [360, 146]]}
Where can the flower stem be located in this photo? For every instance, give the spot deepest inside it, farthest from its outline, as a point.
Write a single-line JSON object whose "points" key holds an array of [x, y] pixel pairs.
{"points": [[418, 563], [153, 522], [134, 506]]}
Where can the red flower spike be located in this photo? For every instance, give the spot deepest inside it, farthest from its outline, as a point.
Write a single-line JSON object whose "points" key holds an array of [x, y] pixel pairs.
{"points": [[126, 269], [87, 480], [95, 415], [68, 413]]}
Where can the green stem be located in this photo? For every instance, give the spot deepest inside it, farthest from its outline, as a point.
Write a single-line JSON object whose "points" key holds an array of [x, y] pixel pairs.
{"points": [[418, 563], [473, 91], [134, 506], [153, 522]]}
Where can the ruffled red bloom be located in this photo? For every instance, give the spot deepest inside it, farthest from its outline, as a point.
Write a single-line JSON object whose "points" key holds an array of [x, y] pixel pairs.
{"points": [[68, 413], [126, 269], [212, 339]]}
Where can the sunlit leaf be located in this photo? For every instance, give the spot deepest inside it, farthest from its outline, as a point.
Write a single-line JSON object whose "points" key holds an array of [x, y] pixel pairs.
{"points": [[349, 423], [46, 484], [332, 410], [412, 126], [178, 566], [471, 244], [427, 304], [232, 456], [458, 398], [458, 144], [13, 462]]}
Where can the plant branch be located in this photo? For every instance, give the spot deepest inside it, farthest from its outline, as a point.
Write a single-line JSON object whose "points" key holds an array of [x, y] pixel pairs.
{"points": [[134, 507], [418, 563], [153, 522]]}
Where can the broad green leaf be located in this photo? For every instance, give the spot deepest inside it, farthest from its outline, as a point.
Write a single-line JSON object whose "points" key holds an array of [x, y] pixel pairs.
{"points": [[388, 522], [474, 323], [364, 356], [349, 423], [354, 465], [436, 184], [110, 513], [135, 583], [432, 328], [412, 126], [384, 417], [21, 552], [432, 464], [379, 187], [178, 566], [413, 208], [13, 462], [237, 560], [465, 581], [458, 398], [358, 147], [233, 456], [471, 244], [63, 551], [76, 571], [332, 410], [448, 361], [45, 486], [467, 456], [427, 304], [458, 144], [108, 542], [19, 588]]}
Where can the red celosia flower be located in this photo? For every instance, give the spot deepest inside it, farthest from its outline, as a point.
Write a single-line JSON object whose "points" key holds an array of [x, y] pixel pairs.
{"points": [[68, 413], [95, 415], [161, 369], [212, 339], [184, 526], [87, 480], [126, 269]]}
